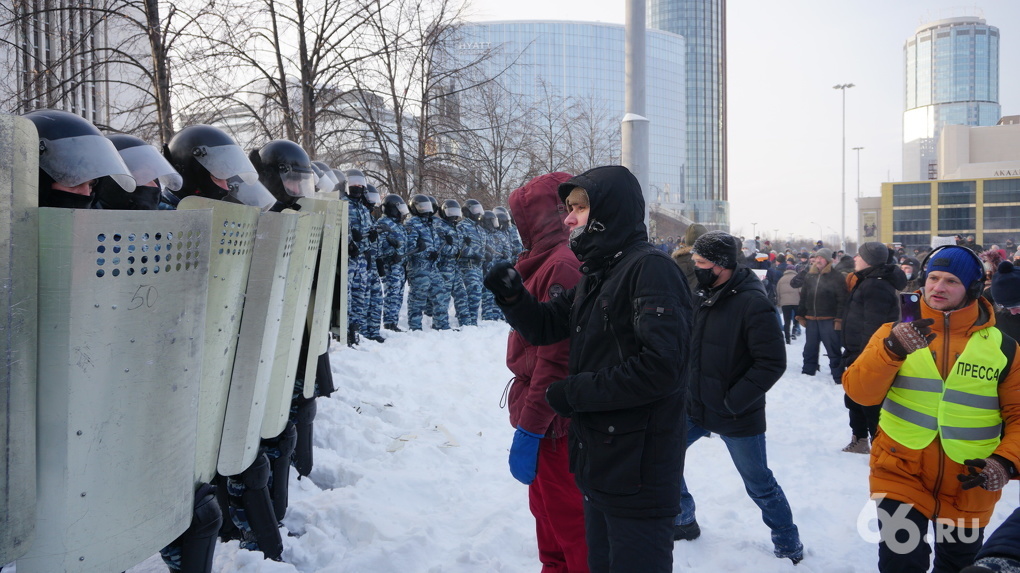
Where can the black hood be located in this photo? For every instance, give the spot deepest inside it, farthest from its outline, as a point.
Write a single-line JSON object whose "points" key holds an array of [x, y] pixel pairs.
{"points": [[616, 215]]}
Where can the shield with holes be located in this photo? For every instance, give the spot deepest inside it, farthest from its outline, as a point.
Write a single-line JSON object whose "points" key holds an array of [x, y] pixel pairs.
{"points": [[334, 214], [122, 302], [292, 324], [19, 168], [229, 252], [256, 344]]}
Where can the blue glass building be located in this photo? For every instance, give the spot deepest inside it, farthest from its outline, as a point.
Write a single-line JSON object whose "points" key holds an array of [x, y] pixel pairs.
{"points": [[952, 77], [586, 59], [702, 23]]}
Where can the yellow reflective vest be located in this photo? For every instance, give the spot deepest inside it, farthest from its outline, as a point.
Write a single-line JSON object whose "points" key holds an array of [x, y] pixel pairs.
{"points": [[963, 410]]}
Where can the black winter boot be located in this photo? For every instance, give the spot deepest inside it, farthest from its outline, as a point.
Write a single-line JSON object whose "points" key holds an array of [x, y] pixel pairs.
{"points": [[352, 336], [392, 326]]}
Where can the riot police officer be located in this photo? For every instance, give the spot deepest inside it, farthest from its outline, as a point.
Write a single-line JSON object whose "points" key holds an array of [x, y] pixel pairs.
{"points": [[359, 249], [151, 171], [393, 243], [421, 260], [373, 288], [472, 255]]}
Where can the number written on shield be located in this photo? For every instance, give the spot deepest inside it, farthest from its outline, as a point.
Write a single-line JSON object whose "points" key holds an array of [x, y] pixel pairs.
{"points": [[146, 296]]}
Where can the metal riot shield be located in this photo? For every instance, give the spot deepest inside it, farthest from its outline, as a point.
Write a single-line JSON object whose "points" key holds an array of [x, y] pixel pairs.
{"points": [[338, 324], [334, 214], [230, 252], [122, 297], [292, 323], [256, 344], [19, 197]]}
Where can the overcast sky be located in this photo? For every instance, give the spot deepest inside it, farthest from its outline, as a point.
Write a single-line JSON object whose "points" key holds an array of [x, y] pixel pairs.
{"points": [[785, 117]]}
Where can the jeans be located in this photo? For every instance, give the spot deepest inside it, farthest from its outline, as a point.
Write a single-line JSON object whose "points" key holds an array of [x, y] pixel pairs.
{"points": [[789, 311], [748, 455], [823, 332]]}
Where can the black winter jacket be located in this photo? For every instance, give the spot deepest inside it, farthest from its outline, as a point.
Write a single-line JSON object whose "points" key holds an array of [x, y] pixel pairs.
{"points": [[628, 320], [737, 354], [873, 302], [822, 293]]}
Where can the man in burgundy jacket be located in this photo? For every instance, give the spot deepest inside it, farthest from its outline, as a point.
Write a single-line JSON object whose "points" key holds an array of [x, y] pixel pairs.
{"points": [[538, 455]]}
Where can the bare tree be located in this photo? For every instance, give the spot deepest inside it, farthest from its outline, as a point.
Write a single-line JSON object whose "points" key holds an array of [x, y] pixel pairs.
{"points": [[594, 134], [551, 118]]}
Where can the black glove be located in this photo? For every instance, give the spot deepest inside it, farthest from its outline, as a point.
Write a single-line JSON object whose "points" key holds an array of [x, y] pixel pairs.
{"points": [[433, 255], [449, 239], [995, 472], [356, 235], [907, 337], [421, 246], [467, 241], [504, 281], [556, 396], [352, 249], [381, 267], [373, 234], [369, 260], [393, 241]]}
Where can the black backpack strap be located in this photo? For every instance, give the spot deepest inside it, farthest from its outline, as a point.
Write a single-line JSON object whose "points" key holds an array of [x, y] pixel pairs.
{"points": [[1009, 350]]}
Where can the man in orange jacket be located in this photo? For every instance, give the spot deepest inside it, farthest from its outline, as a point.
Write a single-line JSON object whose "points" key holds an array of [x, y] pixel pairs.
{"points": [[949, 430]]}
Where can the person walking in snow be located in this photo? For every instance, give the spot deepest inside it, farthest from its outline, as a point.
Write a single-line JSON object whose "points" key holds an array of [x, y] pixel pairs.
{"points": [[873, 301], [538, 455], [628, 321], [822, 295], [736, 356], [948, 435]]}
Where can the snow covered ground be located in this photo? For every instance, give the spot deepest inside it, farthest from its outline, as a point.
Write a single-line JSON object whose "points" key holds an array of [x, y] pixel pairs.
{"points": [[411, 473]]}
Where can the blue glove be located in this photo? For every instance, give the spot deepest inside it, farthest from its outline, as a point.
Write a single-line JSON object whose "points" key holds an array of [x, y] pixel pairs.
{"points": [[524, 455]]}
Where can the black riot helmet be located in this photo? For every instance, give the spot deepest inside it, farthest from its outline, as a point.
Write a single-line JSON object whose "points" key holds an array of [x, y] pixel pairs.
{"points": [[372, 199], [473, 210], [151, 173], [203, 152], [341, 181], [451, 212], [489, 221], [435, 205], [421, 206], [73, 153], [285, 169], [503, 215], [394, 207], [327, 181], [356, 184]]}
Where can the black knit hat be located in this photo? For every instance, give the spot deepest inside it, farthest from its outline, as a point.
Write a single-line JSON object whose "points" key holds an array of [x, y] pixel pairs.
{"points": [[1006, 285], [718, 247], [874, 253]]}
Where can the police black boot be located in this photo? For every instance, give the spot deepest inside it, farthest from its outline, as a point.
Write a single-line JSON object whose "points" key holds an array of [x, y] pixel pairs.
{"points": [[352, 336], [392, 326]]}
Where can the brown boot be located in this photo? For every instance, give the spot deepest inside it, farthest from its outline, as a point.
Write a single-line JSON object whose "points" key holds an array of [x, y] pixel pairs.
{"points": [[858, 446]]}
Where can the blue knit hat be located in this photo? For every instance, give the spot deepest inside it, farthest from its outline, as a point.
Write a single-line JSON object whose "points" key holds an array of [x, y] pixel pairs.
{"points": [[958, 261]]}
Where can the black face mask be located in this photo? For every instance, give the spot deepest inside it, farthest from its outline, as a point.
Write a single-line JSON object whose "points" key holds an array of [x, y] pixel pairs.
{"points": [[706, 278], [63, 199]]}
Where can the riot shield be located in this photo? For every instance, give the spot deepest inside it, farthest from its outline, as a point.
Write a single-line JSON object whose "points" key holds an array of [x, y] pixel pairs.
{"points": [[19, 197], [122, 297], [338, 323], [292, 323], [334, 221], [230, 252], [256, 344]]}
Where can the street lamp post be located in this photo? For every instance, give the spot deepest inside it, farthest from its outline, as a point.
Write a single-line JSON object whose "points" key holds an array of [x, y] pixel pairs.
{"points": [[819, 229], [842, 151], [754, 229], [858, 150]]}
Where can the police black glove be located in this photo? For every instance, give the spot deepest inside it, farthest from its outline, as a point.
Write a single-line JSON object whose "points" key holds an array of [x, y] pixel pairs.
{"points": [[352, 249], [524, 455], [907, 337], [373, 234], [504, 281], [369, 260], [393, 241], [381, 267], [556, 396], [356, 235], [467, 241], [449, 239], [995, 472], [420, 245], [433, 255]]}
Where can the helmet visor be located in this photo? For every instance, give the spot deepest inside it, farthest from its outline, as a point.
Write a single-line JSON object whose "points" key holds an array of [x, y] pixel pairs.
{"points": [[147, 164], [298, 181], [453, 212], [226, 161], [423, 206], [475, 209], [253, 194], [357, 181], [72, 161], [326, 183], [372, 197]]}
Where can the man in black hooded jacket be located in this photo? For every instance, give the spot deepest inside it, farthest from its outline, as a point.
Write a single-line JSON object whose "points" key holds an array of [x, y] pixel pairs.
{"points": [[628, 321], [737, 355]]}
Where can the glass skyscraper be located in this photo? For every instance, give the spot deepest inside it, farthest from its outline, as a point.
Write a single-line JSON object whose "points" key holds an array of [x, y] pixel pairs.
{"points": [[586, 59], [952, 77], [702, 23]]}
